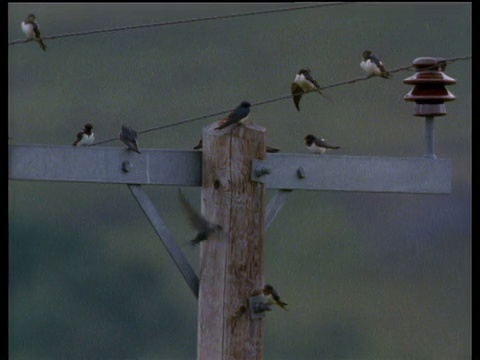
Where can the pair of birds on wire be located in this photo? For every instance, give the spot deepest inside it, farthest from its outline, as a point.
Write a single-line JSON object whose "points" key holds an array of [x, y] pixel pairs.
{"points": [[305, 83], [128, 136]]}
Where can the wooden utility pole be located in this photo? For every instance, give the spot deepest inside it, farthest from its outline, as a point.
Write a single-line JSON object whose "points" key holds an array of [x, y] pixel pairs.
{"points": [[231, 263], [233, 171]]}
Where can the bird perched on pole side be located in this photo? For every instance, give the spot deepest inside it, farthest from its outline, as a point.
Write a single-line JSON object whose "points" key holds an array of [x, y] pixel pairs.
{"points": [[85, 137], [128, 136], [31, 29], [373, 66], [318, 146], [204, 227], [272, 297], [304, 83], [239, 114]]}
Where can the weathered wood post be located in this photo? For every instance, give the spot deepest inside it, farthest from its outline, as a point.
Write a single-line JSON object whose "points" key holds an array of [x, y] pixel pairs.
{"points": [[231, 262]]}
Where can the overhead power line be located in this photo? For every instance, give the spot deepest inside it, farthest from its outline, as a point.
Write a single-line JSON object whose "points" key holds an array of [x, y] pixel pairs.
{"points": [[218, 113], [178, 22]]}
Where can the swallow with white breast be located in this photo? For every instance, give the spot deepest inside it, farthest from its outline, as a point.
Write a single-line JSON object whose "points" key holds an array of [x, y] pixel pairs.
{"points": [[304, 83], [317, 145], [272, 297], [31, 29], [85, 137], [373, 66]]}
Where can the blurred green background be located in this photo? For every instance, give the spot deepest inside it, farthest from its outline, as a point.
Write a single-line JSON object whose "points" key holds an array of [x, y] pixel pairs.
{"points": [[366, 275]]}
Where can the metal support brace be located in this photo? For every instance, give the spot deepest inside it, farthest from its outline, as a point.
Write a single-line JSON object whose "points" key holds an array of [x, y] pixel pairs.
{"points": [[275, 204], [166, 236]]}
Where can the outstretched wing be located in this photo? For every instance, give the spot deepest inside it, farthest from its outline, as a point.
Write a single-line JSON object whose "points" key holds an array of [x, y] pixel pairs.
{"points": [[297, 93], [195, 219]]}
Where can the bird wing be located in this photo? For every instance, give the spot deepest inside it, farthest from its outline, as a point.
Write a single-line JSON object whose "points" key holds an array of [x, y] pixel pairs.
{"points": [[312, 80], [79, 138], [36, 30], [132, 132], [317, 86], [195, 219], [297, 93], [276, 297], [375, 59], [324, 144], [128, 136], [238, 114], [235, 116]]}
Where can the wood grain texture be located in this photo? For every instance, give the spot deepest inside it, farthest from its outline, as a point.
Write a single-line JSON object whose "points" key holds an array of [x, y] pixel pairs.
{"points": [[231, 263]]}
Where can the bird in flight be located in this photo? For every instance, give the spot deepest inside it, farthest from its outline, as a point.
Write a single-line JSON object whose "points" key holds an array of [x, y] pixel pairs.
{"points": [[204, 227]]}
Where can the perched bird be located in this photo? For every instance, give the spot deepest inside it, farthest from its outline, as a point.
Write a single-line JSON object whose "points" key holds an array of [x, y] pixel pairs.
{"points": [[269, 148], [304, 83], [373, 66], [197, 221], [85, 137], [239, 114], [32, 30], [318, 146], [272, 297], [129, 137]]}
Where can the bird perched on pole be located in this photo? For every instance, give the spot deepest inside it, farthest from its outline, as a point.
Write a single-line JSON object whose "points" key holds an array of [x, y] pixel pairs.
{"points": [[204, 227], [304, 83], [85, 137], [31, 29], [373, 66], [129, 138], [239, 114], [272, 297], [318, 146]]}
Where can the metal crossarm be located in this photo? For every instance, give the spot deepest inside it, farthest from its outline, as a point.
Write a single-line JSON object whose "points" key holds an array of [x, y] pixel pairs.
{"points": [[354, 173]]}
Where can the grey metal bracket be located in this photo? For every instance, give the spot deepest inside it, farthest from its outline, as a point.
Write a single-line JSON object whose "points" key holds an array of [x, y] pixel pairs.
{"points": [[257, 307], [354, 173], [113, 165], [167, 238]]}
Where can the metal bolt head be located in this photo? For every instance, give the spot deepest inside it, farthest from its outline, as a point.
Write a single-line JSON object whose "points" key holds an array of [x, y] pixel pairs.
{"points": [[127, 166], [262, 170], [301, 174]]}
